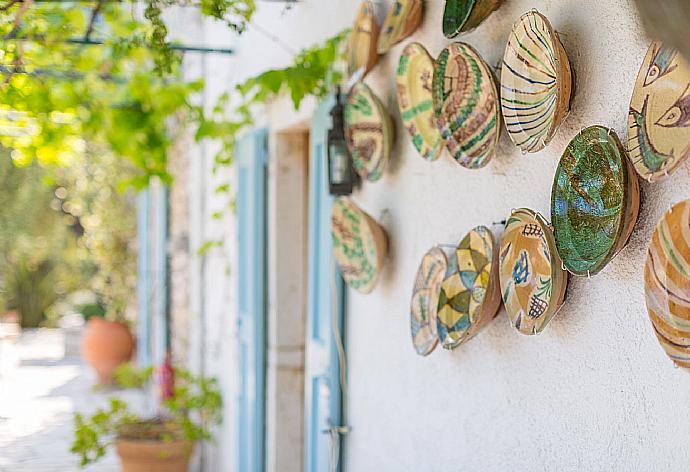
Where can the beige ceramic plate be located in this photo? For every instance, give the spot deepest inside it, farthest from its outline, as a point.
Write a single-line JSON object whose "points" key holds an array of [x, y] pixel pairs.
{"points": [[667, 282], [415, 72], [536, 83], [533, 281], [361, 49], [402, 19], [427, 287], [368, 131], [659, 117], [359, 245], [470, 293], [466, 105]]}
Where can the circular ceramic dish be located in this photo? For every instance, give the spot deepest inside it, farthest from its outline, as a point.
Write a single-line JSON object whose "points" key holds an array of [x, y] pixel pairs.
{"points": [[659, 117], [667, 283], [415, 72], [470, 293], [461, 16], [361, 48], [402, 19], [536, 83], [533, 282], [427, 287], [466, 105], [595, 201], [359, 245], [369, 132]]}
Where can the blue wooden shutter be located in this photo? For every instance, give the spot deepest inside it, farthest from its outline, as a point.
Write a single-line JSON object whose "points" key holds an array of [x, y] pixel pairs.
{"points": [[251, 155], [143, 279], [161, 322], [326, 302]]}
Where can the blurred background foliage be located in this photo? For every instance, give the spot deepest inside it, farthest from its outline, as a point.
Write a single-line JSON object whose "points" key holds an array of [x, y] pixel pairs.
{"points": [[65, 232], [83, 126]]}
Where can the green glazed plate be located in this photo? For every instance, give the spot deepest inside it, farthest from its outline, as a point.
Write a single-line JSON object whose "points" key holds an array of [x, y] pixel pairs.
{"points": [[594, 201], [461, 16]]}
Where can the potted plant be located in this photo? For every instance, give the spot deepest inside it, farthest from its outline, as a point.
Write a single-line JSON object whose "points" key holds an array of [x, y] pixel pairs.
{"points": [[106, 344], [161, 443]]}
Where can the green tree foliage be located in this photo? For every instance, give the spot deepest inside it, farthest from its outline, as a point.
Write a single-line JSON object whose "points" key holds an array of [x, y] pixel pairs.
{"points": [[39, 253], [57, 96]]}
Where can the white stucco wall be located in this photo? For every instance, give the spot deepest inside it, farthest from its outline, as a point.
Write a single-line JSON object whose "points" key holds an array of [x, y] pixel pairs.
{"points": [[593, 392]]}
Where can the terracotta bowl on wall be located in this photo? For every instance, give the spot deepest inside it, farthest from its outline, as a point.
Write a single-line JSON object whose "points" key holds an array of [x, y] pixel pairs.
{"points": [[105, 346]]}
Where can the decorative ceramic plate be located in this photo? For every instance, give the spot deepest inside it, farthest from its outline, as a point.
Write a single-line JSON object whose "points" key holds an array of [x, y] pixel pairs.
{"points": [[427, 287], [461, 16], [667, 282], [402, 19], [536, 83], [595, 200], [466, 105], [361, 49], [533, 282], [415, 72], [359, 245], [470, 293], [659, 118], [368, 131]]}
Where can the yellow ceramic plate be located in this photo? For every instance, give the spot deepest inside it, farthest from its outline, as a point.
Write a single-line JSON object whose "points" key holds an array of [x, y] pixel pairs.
{"points": [[359, 245], [361, 49], [533, 281], [403, 18], [414, 76]]}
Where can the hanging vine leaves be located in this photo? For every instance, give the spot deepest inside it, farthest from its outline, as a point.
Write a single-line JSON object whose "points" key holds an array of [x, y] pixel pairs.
{"points": [[127, 94]]}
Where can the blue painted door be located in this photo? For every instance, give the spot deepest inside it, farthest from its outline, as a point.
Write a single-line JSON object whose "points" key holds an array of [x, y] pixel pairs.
{"points": [[325, 314], [251, 156]]}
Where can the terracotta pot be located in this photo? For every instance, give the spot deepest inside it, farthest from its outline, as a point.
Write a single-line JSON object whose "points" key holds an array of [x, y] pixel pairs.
{"points": [[105, 346], [154, 456]]}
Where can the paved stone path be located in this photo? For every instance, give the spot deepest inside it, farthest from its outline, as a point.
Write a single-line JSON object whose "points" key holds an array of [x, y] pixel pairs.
{"points": [[40, 389]]}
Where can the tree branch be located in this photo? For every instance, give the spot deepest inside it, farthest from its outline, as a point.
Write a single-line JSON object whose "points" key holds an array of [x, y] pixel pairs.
{"points": [[17, 63], [9, 5], [92, 21]]}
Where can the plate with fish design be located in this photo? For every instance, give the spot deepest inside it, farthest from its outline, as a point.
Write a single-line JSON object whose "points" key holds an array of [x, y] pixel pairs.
{"points": [[659, 115], [533, 282]]}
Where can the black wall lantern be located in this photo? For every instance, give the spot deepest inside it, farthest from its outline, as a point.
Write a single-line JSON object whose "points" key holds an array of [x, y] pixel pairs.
{"points": [[341, 174]]}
